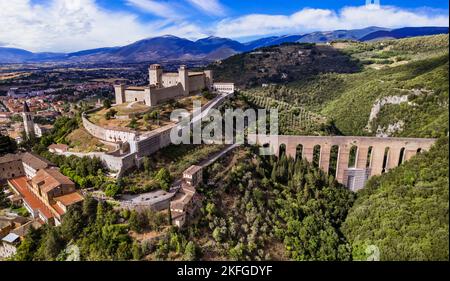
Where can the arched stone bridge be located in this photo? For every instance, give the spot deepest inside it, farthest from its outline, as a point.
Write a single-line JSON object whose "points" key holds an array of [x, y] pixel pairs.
{"points": [[367, 156]]}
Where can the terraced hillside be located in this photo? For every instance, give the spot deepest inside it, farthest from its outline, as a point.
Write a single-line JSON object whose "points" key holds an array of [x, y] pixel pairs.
{"points": [[401, 89]]}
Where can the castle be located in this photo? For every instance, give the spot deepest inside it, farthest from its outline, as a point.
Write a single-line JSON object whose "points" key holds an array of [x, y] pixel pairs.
{"points": [[165, 86]]}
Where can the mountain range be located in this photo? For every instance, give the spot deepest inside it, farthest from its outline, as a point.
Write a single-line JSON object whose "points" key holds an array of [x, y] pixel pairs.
{"points": [[172, 48]]}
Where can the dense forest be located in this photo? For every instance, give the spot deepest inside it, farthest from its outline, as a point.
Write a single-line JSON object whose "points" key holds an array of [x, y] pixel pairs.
{"points": [[265, 208], [405, 212]]}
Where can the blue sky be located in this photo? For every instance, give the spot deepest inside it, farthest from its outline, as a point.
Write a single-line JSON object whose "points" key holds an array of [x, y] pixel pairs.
{"points": [[70, 25]]}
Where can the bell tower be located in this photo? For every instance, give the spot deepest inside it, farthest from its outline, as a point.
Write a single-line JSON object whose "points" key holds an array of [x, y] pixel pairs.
{"points": [[28, 121]]}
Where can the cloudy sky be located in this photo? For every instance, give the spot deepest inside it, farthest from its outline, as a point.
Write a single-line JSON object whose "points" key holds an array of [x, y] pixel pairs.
{"points": [[72, 25]]}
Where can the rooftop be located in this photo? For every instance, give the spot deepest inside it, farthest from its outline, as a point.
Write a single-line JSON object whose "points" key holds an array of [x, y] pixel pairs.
{"points": [[9, 158], [11, 238], [192, 170], [69, 199], [20, 185], [58, 146], [35, 161], [48, 179]]}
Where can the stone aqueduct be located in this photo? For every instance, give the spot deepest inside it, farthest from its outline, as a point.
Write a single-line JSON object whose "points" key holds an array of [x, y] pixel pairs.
{"points": [[372, 155]]}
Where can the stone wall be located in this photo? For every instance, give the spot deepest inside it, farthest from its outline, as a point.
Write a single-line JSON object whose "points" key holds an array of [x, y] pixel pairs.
{"points": [[196, 83], [159, 95], [107, 134]]}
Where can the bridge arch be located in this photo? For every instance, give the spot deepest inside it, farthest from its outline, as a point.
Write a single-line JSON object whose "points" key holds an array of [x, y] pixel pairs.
{"points": [[299, 151], [401, 158], [281, 150], [369, 157], [352, 156], [316, 155], [387, 151], [334, 156]]}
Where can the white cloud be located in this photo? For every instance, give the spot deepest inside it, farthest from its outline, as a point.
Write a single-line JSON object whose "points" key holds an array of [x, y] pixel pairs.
{"points": [[307, 20], [213, 7], [72, 25], [160, 9]]}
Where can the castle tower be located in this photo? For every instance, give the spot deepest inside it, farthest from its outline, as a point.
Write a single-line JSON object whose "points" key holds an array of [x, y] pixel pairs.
{"points": [[28, 121], [155, 75], [183, 78], [209, 81], [119, 91]]}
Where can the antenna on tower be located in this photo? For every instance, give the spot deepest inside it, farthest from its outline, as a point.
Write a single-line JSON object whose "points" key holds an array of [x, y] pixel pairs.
{"points": [[373, 4]]}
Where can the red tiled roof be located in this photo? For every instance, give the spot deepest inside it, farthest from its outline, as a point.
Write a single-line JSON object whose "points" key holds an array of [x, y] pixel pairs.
{"points": [[69, 199], [21, 185], [50, 179]]}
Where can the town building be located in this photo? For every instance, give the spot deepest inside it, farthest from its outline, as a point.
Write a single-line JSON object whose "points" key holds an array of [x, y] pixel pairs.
{"points": [[28, 121], [12, 232], [58, 148], [187, 201], [32, 129], [44, 191]]}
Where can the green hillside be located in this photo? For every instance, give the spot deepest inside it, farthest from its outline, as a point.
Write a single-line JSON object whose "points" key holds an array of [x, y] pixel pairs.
{"points": [[282, 64], [415, 68], [405, 212]]}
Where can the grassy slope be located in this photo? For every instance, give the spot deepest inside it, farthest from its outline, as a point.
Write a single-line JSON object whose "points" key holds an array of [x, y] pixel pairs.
{"points": [[414, 64], [351, 109], [405, 212]]}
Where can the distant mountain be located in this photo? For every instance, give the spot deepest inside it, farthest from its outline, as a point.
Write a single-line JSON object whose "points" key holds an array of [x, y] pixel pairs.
{"points": [[170, 48], [327, 36], [12, 55], [404, 33]]}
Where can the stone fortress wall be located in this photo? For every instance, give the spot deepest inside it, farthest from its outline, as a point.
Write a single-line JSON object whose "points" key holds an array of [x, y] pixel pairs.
{"points": [[114, 135], [374, 155], [139, 144], [165, 86]]}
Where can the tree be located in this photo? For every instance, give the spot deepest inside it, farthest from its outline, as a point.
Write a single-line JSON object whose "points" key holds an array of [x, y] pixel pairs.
{"points": [[27, 249], [112, 189], [164, 179], [71, 225], [190, 252], [146, 164], [137, 252], [3, 199], [7, 145], [110, 113], [135, 221], [107, 103], [133, 123], [51, 245]]}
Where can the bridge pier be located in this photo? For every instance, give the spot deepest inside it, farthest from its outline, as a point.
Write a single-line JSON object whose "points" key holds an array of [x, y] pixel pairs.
{"points": [[291, 150], [361, 160], [342, 163], [409, 153], [394, 156], [308, 153], [325, 151]]}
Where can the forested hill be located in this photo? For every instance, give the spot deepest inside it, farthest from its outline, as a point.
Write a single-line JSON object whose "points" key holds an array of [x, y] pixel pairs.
{"points": [[281, 64], [405, 212], [400, 90]]}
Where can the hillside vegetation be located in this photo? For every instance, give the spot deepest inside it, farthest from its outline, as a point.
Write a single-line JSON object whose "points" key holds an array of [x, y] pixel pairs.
{"points": [[281, 64], [405, 212], [415, 69]]}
